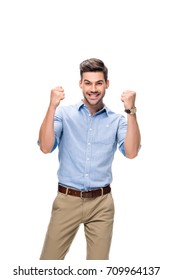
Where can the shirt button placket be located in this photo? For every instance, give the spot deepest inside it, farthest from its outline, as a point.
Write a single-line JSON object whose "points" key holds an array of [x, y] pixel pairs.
{"points": [[88, 154]]}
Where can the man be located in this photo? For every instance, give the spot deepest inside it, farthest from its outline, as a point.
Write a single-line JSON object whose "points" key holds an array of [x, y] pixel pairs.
{"points": [[87, 135]]}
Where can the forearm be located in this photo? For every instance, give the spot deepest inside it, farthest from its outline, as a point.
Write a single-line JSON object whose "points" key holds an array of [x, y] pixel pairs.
{"points": [[133, 137], [46, 133]]}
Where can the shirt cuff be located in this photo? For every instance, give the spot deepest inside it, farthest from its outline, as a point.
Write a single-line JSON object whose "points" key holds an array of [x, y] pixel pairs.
{"points": [[122, 149]]}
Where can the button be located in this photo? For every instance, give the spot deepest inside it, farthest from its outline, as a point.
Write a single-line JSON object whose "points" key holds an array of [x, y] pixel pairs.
{"points": [[89, 143], [86, 175]]}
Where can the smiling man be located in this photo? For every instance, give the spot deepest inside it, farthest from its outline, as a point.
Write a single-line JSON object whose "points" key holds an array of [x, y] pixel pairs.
{"points": [[94, 87], [87, 135]]}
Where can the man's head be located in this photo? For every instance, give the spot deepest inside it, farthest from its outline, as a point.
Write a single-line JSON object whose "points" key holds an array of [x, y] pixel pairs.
{"points": [[93, 65], [94, 82]]}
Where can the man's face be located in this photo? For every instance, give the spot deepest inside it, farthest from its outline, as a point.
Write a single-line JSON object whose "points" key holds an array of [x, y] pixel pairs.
{"points": [[94, 87]]}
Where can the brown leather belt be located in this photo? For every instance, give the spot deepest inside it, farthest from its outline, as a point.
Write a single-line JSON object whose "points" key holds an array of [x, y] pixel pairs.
{"points": [[84, 194]]}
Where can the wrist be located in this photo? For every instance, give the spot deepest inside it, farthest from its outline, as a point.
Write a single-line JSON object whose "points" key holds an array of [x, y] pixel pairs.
{"points": [[131, 111], [52, 109]]}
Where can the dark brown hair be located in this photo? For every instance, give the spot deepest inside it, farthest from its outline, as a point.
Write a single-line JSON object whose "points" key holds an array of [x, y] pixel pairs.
{"points": [[93, 65]]}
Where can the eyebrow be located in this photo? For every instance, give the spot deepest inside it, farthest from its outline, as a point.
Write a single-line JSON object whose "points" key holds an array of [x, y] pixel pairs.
{"points": [[95, 82]]}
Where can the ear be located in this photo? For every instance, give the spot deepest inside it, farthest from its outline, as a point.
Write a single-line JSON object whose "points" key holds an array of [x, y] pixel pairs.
{"points": [[80, 83], [107, 84]]}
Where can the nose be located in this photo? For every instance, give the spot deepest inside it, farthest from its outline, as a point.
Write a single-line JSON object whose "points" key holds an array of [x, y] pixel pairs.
{"points": [[93, 88]]}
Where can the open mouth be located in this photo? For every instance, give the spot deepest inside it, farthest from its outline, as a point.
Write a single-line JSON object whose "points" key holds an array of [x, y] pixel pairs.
{"points": [[94, 96]]}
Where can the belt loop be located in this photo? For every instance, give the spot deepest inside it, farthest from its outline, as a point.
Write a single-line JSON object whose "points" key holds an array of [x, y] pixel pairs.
{"points": [[102, 191], [66, 192]]}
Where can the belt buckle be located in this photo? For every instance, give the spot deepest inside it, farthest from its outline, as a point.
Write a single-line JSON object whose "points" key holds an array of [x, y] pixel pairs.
{"points": [[92, 196], [88, 192], [81, 192]]}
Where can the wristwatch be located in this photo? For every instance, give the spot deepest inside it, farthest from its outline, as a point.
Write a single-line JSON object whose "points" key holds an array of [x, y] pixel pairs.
{"points": [[131, 111]]}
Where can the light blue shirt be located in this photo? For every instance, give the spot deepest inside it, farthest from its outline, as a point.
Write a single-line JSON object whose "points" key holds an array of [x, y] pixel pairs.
{"points": [[87, 145]]}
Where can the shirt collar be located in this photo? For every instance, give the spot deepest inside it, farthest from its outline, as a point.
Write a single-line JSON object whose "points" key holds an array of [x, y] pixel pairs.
{"points": [[105, 108]]}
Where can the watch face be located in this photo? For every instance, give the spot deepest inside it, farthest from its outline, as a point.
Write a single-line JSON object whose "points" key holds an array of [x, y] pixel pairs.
{"points": [[131, 111]]}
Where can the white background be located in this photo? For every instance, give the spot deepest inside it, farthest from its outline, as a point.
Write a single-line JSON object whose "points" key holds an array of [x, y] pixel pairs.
{"points": [[42, 44]]}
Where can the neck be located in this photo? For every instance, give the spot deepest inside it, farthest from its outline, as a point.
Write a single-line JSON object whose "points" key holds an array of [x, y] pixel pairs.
{"points": [[93, 108]]}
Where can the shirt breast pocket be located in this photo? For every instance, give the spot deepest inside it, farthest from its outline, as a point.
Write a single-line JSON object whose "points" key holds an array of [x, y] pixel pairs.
{"points": [[105, 137]]}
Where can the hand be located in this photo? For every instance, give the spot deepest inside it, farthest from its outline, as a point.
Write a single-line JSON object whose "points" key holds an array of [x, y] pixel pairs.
{"points": [[57, 94], [128, 97]]}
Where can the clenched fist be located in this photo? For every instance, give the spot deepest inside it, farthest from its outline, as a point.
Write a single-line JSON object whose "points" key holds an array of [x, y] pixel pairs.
{"points": [[57, 94], [128, 97]]}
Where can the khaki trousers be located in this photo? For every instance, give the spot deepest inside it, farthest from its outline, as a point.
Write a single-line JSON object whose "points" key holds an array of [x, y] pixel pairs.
{"points": [[68, 212]]}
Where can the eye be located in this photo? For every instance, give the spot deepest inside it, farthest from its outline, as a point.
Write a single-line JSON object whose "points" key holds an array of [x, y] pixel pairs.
{"points": [[100, 83], [87, 83]]}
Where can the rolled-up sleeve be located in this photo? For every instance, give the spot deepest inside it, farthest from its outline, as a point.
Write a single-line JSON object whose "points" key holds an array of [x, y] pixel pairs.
{"points": [[57, 128], [58, 121], [121, 133]]}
